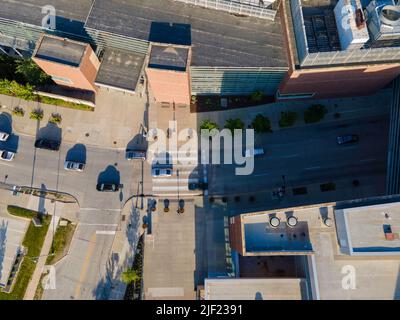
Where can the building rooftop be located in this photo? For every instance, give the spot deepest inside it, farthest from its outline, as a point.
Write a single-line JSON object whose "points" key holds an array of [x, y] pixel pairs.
{"points": [[60, 50], [70, 18], [377, 276], [168, 57], [255, 289], [365, 228], [218, 39], [261, 238], [120, 69]]}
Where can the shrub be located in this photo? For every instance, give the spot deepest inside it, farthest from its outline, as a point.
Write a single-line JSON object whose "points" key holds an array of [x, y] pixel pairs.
{"points": [[261, 124], [233, 124], [130, 275], [314, 113], [208, 125], [193, 99], [55, 118], [18, 111], [12, 88], [256, 96], [36, 114], [288, 118]]}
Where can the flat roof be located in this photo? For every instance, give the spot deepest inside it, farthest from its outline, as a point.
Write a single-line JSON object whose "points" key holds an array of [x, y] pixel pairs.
{"points": [[377, 277], [218, 39], [120, 69], [60, 50], [168, 57], [70, 18], [260, 237], [255, 289], [366, 226]]}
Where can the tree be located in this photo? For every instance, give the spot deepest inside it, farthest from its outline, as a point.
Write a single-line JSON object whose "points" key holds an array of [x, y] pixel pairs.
{"points": [[314, 113], [130, 275], [233, 124], [288, 118], [208, 125], [256, 96], [31, 72], [261, 124]]}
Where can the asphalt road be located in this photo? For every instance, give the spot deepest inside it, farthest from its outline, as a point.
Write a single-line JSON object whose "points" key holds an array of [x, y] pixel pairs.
{"points": [[79, 275], [309, 154]]}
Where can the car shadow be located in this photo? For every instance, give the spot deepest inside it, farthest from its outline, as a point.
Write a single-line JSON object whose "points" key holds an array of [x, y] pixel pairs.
{"points": [[5, 122], [138, 143], [50, 132], [109, 175], [77, 153], [11, 144]]}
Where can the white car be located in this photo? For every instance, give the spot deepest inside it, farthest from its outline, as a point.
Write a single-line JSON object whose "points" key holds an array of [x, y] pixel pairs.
{"points": [[4, 136], [160, 172], [6, 155], [254, 152], [74, 166]]}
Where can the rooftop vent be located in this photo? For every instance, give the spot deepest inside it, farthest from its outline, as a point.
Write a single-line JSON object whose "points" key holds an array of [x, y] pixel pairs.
{"points": [[274, 222], [291, 221], [390, 15]]}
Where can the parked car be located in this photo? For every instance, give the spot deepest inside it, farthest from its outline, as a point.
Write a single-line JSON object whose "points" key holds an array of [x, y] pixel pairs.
{"points": [[198, 186], [349, 138], [74, 166], [4, 136], [6, 155], [254, 152], [135, 154], [161, 172], [107, 187], [53, 145]]}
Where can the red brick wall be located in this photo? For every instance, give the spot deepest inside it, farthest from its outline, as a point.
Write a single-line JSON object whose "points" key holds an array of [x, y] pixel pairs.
{"points": [[169, 86], [82, 77], [235, 234], [340, 82]]}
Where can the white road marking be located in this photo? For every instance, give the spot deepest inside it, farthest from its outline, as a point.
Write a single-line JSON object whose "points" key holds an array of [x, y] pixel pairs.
{"points": [[313, 168], [7, 164], [170, 188], [367, 160], [105, 232], [166, 180], [261, 174]]}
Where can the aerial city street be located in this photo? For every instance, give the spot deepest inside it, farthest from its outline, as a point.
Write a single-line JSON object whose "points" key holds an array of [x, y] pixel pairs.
{"points": [[199, 150]]}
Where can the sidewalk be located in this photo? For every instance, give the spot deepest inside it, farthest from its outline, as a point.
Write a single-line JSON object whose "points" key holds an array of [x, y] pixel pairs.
{"points": [[34, 282], [348, 108], [116, 120], [124, 247]]}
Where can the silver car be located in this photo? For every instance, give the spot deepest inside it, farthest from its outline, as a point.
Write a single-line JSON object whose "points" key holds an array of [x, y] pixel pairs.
{"points": [[6, 155], [4, 136], [74, 166]]}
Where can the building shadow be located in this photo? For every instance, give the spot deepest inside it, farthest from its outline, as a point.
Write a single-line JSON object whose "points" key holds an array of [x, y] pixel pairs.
{"points": [[77, 153], [3, 241], [50, 132], [171, 33], [396, 295], [109, 175]]}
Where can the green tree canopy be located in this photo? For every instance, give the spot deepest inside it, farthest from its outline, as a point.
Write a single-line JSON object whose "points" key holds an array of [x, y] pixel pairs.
{"points": [[130, 275], [31, 72], [261, 124], [233, 124]]}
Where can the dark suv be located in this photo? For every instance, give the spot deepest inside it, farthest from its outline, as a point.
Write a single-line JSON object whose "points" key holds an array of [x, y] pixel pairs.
{"points": [[47, 144], [107, 187]]}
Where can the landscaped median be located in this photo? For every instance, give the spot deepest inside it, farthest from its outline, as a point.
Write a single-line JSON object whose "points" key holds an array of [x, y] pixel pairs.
{"points": [[33, 242], [61, 241]]}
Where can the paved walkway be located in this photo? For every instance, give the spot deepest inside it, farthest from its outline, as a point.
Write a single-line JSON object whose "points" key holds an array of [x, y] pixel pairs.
{"points": [[33, 284], [116, 120], [124, 247], [348, 108]]}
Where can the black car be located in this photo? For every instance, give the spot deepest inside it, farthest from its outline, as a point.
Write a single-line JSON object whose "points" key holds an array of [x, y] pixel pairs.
{"points": [[107, 187], [349, 138], [198, 186], [53, 145]]}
